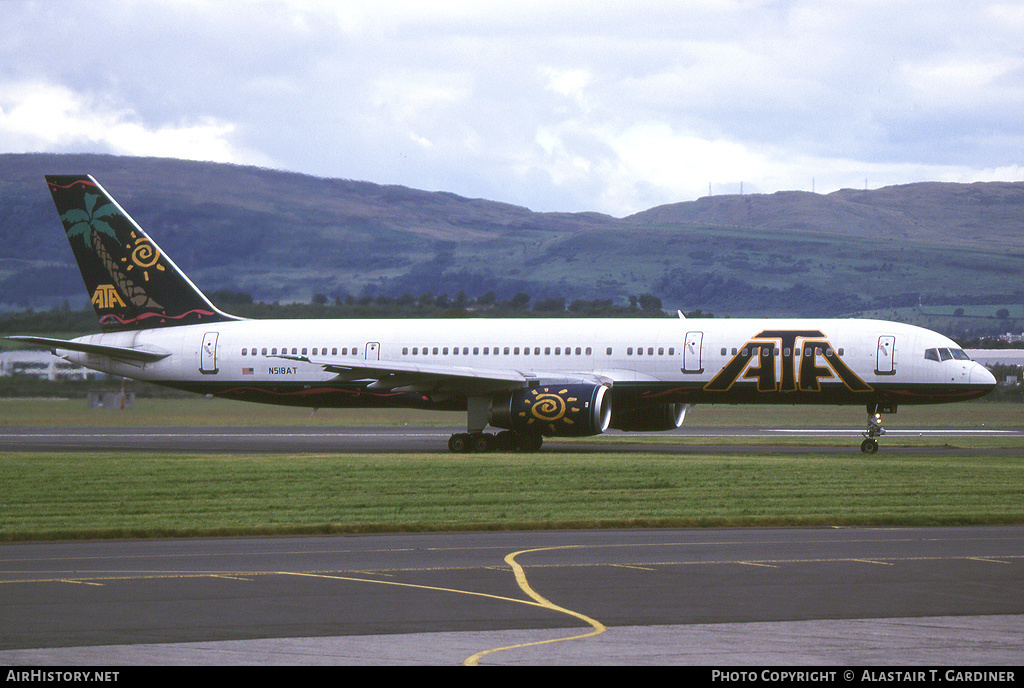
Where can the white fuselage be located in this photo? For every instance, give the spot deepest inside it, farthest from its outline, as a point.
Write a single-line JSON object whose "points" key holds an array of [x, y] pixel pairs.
{"points": [[644, 361]]}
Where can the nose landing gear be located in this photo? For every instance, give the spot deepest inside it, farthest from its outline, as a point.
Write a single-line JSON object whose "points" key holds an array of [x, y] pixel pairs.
{"points": [[875, 429]]}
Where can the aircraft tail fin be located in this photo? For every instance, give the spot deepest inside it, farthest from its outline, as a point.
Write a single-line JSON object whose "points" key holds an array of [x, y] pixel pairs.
{"points": [[133, 285]]}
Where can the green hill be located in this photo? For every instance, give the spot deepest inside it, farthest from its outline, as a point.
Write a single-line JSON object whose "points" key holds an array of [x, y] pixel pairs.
{"points": [[285, 237]]}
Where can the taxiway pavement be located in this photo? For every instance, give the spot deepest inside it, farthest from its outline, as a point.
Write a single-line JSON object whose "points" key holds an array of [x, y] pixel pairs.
{"points": [[793, 596], [433, 439]]}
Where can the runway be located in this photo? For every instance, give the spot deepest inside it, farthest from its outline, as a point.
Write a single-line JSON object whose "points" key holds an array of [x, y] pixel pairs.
{"points": [[726, 597], [432, 439]]}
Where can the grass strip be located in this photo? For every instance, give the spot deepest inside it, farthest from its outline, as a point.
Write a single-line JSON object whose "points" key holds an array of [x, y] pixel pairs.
{"points": [[101, 495]]}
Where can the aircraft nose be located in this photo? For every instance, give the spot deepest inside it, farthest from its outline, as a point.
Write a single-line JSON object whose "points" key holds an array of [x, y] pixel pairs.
{"points": [[980, 375]]}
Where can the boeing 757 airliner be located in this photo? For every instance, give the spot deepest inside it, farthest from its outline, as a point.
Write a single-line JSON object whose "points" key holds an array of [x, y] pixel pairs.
{"points": [[532, 378]]}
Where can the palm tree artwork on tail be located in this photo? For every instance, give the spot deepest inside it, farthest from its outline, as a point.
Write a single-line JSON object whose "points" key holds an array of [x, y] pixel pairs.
{"points": [[89, 224]]}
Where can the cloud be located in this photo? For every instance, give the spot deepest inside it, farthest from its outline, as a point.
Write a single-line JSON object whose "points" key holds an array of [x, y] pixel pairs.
{"points": [[556, 106], [37, 116]]}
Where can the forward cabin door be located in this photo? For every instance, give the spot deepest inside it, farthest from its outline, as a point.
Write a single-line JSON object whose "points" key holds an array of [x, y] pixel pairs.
{"points": [[692, 352], [886, 360], [208, 354]]}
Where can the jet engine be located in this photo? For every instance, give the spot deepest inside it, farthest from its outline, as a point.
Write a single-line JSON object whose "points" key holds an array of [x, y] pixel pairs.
{"points": [[649, 418], [571, 410]]}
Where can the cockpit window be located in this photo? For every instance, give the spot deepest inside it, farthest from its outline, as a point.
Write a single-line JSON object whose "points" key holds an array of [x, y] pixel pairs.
{"points": [[946, 355]]}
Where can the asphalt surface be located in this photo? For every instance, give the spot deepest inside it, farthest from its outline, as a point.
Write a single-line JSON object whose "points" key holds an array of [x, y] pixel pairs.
{"points": [[433, 439], [729, 597]]}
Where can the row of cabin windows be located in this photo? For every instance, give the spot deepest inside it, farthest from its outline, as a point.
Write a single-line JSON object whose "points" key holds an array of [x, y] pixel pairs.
{"points": [[559, 351], [496, 351], [317, 351], [526, 351], [774, 351]]}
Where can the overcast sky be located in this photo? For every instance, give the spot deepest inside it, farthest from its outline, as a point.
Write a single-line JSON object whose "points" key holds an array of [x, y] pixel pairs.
{"points": [[559, 105]]}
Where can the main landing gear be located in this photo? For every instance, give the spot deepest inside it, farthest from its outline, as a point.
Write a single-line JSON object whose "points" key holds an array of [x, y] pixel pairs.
{"points": [[506, 440], [875, 429]]}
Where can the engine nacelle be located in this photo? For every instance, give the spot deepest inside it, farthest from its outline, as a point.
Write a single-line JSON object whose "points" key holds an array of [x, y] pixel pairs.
{"points": [[575, 410], [649, 418]]}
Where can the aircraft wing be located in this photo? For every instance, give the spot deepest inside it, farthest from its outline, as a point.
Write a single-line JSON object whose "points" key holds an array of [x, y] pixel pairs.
{"points": [[427, 377], [117, 352], [416, 376]]}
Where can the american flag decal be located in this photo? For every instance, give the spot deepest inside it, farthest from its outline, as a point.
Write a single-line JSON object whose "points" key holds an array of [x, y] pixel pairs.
{"points": [[246, 371]]}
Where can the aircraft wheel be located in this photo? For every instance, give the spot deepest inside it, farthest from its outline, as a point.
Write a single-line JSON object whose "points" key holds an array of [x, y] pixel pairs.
{"points": [[527, 441], [459, 443], [503, 441], [481, 443], [869, 446]]}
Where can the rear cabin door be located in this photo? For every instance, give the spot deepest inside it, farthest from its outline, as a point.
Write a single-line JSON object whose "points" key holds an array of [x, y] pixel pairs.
{"points": [[208, 354]]}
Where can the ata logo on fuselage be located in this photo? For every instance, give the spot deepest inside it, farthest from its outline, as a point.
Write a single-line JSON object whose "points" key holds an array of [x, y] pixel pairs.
{"points": [[106, 296], [787, 361]]}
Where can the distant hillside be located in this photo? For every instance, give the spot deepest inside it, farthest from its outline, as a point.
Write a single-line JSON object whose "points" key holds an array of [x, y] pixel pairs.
{"points": [[285, 237], [984, 215]]}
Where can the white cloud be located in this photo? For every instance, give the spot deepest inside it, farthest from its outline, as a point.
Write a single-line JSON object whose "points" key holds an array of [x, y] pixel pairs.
{"points": [[556, 106], [37, 116]]}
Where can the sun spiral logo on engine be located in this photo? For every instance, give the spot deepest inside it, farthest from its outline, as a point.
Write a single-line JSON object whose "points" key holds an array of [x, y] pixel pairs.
{"points": [[549, 407]]}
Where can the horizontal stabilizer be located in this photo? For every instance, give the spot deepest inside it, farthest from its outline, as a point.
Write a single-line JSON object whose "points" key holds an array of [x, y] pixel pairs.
{"points": [[120, 352]]}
